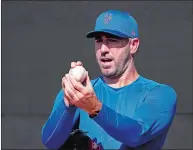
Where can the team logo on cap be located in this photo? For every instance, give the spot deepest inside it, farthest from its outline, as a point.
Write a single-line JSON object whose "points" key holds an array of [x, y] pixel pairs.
{"points": [[107, 18]]}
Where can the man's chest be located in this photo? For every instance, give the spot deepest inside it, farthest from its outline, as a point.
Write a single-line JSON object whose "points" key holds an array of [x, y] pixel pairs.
{"points": [[123, 102]]}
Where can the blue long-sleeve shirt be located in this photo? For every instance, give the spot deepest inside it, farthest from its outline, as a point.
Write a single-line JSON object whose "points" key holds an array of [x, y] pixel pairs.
{"points": [[136, 116]]}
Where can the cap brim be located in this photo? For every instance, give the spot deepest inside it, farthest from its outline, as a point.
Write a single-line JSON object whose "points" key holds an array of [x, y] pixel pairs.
{"points": [[93, 34]]}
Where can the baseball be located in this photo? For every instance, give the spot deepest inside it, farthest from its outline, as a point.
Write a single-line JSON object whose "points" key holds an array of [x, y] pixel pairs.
{"points": [[78, 73]]}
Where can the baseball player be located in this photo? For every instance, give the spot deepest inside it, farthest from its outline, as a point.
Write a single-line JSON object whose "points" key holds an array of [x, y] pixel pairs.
{"points": [[120, 109]]}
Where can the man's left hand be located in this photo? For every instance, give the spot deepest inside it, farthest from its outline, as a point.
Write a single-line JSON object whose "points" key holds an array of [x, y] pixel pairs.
{"points": [[82, 96]]}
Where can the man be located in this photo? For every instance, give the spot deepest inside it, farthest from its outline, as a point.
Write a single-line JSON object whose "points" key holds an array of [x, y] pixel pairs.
{"points": [[120, 109]]}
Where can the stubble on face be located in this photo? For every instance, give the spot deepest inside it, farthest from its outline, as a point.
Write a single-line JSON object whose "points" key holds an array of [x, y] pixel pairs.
{"points": [[120, 62], [118, 67]]}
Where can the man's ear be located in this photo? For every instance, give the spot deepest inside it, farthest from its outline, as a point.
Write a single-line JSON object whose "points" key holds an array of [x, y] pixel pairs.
{"points": [[134, 44]]}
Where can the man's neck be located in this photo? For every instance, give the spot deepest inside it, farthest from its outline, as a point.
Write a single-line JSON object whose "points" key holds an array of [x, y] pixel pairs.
{"points": [[129, 76]]}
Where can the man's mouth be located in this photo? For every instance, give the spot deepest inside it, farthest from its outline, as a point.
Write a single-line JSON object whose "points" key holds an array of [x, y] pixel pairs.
{"points": [[104, 60]]}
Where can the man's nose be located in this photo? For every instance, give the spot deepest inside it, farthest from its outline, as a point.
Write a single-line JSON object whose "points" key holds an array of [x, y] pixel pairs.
{"points": [[104, 48]]}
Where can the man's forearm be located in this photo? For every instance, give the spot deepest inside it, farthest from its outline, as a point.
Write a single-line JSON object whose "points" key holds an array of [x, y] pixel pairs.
{"points": [[122, 128], [58, 126]]}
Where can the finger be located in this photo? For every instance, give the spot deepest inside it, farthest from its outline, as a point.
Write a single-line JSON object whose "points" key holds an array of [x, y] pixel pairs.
{"points": [[79, 63], [67, 97], [73, 64], [70, 89], [77, 86], [66, 101], [78, 93], [63, 88], [62, 83]]}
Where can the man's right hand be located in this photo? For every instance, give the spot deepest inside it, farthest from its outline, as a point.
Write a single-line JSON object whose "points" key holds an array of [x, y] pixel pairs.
{"points": [[67, 100]]}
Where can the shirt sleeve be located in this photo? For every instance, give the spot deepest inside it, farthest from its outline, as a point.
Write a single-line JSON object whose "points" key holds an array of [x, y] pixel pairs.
{"points": [[152, 116], [59, 124]]}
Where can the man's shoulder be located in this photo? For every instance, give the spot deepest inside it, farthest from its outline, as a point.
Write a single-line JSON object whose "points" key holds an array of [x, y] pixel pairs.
{"points": [[157, 87], [160, 93], [153, 84], [147, 83]]}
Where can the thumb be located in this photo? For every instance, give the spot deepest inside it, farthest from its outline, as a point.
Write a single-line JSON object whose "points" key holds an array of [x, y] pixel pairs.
{"points": [[88, 82]]}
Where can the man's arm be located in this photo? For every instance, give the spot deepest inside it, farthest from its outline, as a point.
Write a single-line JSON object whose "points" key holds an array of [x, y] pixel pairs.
{"points": [[151, 118], [59, 124]]}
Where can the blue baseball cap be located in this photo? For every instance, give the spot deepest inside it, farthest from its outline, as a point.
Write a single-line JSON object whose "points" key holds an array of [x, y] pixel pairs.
{"points": [[117, 23]]}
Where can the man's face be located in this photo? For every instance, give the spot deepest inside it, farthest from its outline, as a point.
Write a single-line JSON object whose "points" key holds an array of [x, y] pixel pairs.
{"points": [[112, 54]]}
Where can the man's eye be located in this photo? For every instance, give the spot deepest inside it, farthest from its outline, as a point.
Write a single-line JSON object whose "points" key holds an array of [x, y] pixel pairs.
{"points": [[112, 40], [98, 40]]}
